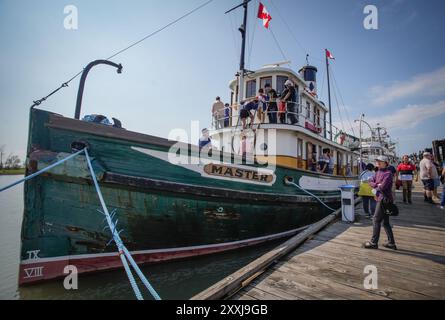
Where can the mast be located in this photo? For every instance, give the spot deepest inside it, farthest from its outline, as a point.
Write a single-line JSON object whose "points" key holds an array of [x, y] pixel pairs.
{"points": [[329, 93], [243, 30], [378, 132]]}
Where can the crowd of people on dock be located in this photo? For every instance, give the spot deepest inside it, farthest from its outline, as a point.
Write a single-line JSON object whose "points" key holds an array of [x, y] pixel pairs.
{"points": [[378, 184], [407, 172]]}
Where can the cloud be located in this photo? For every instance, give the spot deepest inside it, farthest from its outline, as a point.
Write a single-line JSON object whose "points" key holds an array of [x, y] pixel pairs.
{"points": [[410, 116], [405, 118], [427, 84]]}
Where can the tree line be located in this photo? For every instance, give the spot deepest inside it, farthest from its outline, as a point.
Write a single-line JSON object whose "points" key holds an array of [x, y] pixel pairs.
{"points": [[11, 161]]}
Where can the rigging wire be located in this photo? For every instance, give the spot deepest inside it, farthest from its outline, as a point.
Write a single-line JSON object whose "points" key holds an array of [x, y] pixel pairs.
{"points": [[288, 28], [161, 29], [338, 108], [65, 84], [343, 103], [276, 42], [255, 26], [235, 43]]}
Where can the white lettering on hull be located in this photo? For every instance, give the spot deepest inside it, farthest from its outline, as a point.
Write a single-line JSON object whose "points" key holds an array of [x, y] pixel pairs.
{"points": [[33, 272]]}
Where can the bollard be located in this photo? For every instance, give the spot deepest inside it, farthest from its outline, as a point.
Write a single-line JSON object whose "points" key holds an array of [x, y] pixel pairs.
{"points": [[347, 203]]}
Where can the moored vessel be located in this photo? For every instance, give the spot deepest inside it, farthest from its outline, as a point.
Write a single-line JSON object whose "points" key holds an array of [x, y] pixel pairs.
{"points": [[175, 200]]}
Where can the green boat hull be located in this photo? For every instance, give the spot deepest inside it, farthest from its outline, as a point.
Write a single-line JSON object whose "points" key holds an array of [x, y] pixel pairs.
{"points": [[165, 211]]}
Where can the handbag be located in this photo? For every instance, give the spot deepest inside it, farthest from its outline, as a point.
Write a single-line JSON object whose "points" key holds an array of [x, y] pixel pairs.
{"points": [[389, 207]]}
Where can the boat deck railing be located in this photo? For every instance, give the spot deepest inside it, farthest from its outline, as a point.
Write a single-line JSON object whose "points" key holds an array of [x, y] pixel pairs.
{"points": [[294, 114]]}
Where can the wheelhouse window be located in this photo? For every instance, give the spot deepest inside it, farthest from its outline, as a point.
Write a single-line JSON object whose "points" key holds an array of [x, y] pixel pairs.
{"points": [[280, 83], [264, 81], [251, 88]]}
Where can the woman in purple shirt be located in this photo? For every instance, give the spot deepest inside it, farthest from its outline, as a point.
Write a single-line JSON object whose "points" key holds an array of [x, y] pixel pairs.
{"points": [[381, 184]]}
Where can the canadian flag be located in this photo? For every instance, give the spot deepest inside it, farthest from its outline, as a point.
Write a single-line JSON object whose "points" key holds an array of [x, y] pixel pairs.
{"points": [[329, 55], [263, 14]]}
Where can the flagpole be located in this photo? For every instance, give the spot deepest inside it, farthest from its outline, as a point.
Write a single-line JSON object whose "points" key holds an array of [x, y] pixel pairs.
{"points": [[329, 94]]}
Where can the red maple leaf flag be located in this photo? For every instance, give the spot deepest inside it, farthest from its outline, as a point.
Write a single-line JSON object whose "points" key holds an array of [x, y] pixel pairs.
{"points": [[264, 15], [329, 55]]}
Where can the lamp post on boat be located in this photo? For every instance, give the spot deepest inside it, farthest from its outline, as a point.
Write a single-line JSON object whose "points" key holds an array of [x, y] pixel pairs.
{"points": [[360, 136], [329, 93], [243, 30], [360, 140], [84, 77]]}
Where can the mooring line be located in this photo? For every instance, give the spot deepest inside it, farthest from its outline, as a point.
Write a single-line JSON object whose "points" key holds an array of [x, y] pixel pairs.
{"points": [[41, 171], [124, 254]]}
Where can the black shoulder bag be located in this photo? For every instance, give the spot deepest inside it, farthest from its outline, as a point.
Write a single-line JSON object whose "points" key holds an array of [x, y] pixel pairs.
{"points": [[389, 207]]}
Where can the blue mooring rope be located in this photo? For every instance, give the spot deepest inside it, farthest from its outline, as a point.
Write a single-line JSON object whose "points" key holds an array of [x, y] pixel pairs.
{"points": [[124, 254], [41, 171]]}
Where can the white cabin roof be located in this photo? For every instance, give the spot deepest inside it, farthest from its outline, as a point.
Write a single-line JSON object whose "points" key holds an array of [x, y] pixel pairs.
{"points": [[272, 71]]}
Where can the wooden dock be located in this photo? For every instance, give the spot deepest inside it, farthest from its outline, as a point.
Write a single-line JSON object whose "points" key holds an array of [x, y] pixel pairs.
{"points": [[330, 264]]}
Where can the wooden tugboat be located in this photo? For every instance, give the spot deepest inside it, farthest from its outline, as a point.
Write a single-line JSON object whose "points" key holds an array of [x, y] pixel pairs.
{"points": [[172, 199]]}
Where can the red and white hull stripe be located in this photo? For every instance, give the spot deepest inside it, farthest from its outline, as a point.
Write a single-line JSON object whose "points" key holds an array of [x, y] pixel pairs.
{"points": [[42, 269]]}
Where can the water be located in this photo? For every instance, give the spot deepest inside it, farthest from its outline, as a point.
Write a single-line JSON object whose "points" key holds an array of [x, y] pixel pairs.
{"points": [[173, 280]]}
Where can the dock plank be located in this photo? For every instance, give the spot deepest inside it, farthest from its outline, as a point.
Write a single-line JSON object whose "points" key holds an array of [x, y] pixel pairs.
{"points": [[330, 263]]}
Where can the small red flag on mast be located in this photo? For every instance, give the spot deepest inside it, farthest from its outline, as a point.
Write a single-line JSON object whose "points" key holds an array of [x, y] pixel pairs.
{"points": [[329, 55], [264, 15]]}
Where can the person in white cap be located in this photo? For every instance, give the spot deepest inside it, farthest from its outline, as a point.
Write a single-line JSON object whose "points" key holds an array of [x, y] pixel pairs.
{"points": [[381, 184], [290, 98]]}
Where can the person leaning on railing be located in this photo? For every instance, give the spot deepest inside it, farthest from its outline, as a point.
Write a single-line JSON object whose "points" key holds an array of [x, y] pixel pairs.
{"points": [[246, 111], [289, 96]]}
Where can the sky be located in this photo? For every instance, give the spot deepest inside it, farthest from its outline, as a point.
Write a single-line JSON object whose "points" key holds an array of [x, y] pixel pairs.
{"points": [[395, 75]]}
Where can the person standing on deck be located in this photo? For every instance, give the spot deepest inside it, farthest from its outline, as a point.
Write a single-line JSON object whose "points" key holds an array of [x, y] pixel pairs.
{"points": [[272, 108], [227, 115], [324, 161], [218, 113], [381, 183], [426, 175], [365, 191], [331, 163], [262, 106], [405, 172], [291, 101]]}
